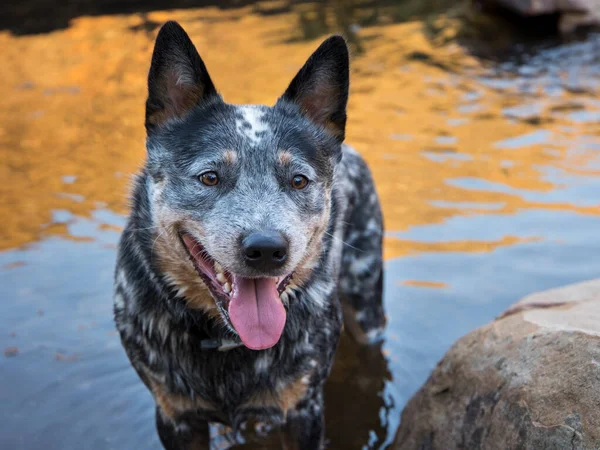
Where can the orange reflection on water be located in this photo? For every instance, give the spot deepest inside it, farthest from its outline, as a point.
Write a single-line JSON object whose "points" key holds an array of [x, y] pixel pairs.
{"points": [[425, 284], [71, 122]]}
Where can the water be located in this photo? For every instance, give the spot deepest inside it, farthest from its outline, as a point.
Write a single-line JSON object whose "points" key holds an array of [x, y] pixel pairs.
{"points": [[488, 174]]}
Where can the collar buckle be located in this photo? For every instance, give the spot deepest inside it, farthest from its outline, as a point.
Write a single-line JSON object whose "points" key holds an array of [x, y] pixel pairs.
{"points": [[221, 345]]}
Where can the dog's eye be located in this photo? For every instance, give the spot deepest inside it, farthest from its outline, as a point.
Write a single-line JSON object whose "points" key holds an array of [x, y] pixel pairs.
{"points": [[299, 182], [209, 178]]}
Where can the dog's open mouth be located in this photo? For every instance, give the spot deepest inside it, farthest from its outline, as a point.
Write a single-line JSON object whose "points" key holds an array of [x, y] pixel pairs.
{"points": [[253, 305]]}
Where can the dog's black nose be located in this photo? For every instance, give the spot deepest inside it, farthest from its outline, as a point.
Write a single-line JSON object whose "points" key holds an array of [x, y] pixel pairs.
{"points": [[265, 250]]}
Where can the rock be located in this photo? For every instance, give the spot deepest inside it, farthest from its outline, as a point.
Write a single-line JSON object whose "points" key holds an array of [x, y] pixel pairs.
{"points": [[574, 13], [528, 380]]}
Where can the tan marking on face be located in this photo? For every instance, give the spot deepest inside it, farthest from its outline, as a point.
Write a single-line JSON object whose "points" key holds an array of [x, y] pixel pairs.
{"points": [[313, 248], [311, 258], [174, 262], [180, 273], [284, 398], [230, 157], [173, 405], [284, 157]]}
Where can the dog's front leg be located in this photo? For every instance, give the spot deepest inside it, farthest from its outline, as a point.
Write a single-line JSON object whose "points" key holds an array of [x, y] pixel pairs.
{"points": [[305, 425], [182, 435]]}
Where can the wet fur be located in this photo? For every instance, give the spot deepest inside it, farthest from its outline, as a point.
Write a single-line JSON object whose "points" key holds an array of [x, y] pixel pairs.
{"points": [[162, 308]]}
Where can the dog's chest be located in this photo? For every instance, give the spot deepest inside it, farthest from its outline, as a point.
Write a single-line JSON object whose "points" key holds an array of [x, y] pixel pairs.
{"points": [[235, 385]]}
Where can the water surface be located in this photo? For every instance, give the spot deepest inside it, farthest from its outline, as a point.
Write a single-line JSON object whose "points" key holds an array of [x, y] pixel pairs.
{"points": [[488, 174]]}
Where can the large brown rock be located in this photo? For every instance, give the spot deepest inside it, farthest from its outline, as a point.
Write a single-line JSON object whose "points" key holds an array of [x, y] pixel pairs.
{"points": [[528, 380], [574, 13]]}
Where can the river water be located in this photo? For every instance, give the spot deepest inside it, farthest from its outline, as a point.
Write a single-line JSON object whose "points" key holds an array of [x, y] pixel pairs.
{"points": [[488, 170]]}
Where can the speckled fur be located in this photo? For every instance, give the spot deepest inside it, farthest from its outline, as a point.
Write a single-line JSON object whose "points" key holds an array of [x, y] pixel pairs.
{"points": [[162, 308]]}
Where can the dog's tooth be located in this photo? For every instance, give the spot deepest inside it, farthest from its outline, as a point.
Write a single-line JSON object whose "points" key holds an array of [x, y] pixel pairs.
{"points": [[227, 288], [284, 296], [221, 278], [218, 267], [291, 294]]}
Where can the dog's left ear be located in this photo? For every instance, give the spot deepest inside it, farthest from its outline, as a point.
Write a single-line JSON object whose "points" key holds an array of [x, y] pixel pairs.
{"points": [[320, 88], [178, 80]]}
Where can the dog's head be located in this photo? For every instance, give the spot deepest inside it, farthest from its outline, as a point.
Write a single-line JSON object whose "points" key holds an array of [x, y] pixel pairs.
{"points": [[241, 194]]}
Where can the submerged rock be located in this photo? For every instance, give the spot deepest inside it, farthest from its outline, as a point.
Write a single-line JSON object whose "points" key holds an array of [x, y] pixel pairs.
{"points": [[574, 13], [528, 380]]}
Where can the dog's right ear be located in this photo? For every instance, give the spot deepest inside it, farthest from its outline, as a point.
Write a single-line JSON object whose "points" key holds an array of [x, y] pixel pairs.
{"points": [[178, 80]]}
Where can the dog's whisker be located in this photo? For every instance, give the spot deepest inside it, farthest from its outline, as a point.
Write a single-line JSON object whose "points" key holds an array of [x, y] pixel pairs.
{"points": [[164, 231], [343, 242]]}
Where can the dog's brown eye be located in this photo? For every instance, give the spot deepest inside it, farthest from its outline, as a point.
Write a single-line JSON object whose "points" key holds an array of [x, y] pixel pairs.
{"points": [[209, 178], [299, 182]]}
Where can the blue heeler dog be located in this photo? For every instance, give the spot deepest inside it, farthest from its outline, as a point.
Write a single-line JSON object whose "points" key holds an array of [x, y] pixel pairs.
{"points": [[253, 232]]}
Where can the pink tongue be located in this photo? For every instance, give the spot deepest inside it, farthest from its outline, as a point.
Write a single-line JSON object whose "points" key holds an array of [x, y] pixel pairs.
{"points": [[256, 312]]}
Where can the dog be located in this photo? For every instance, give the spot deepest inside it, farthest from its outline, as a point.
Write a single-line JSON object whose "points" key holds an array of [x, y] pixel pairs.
{"points": [[254, 234]]}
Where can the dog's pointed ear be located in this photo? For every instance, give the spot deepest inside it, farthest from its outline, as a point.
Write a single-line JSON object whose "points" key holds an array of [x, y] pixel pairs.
{"points": [[320, 88], [178, 80]]}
